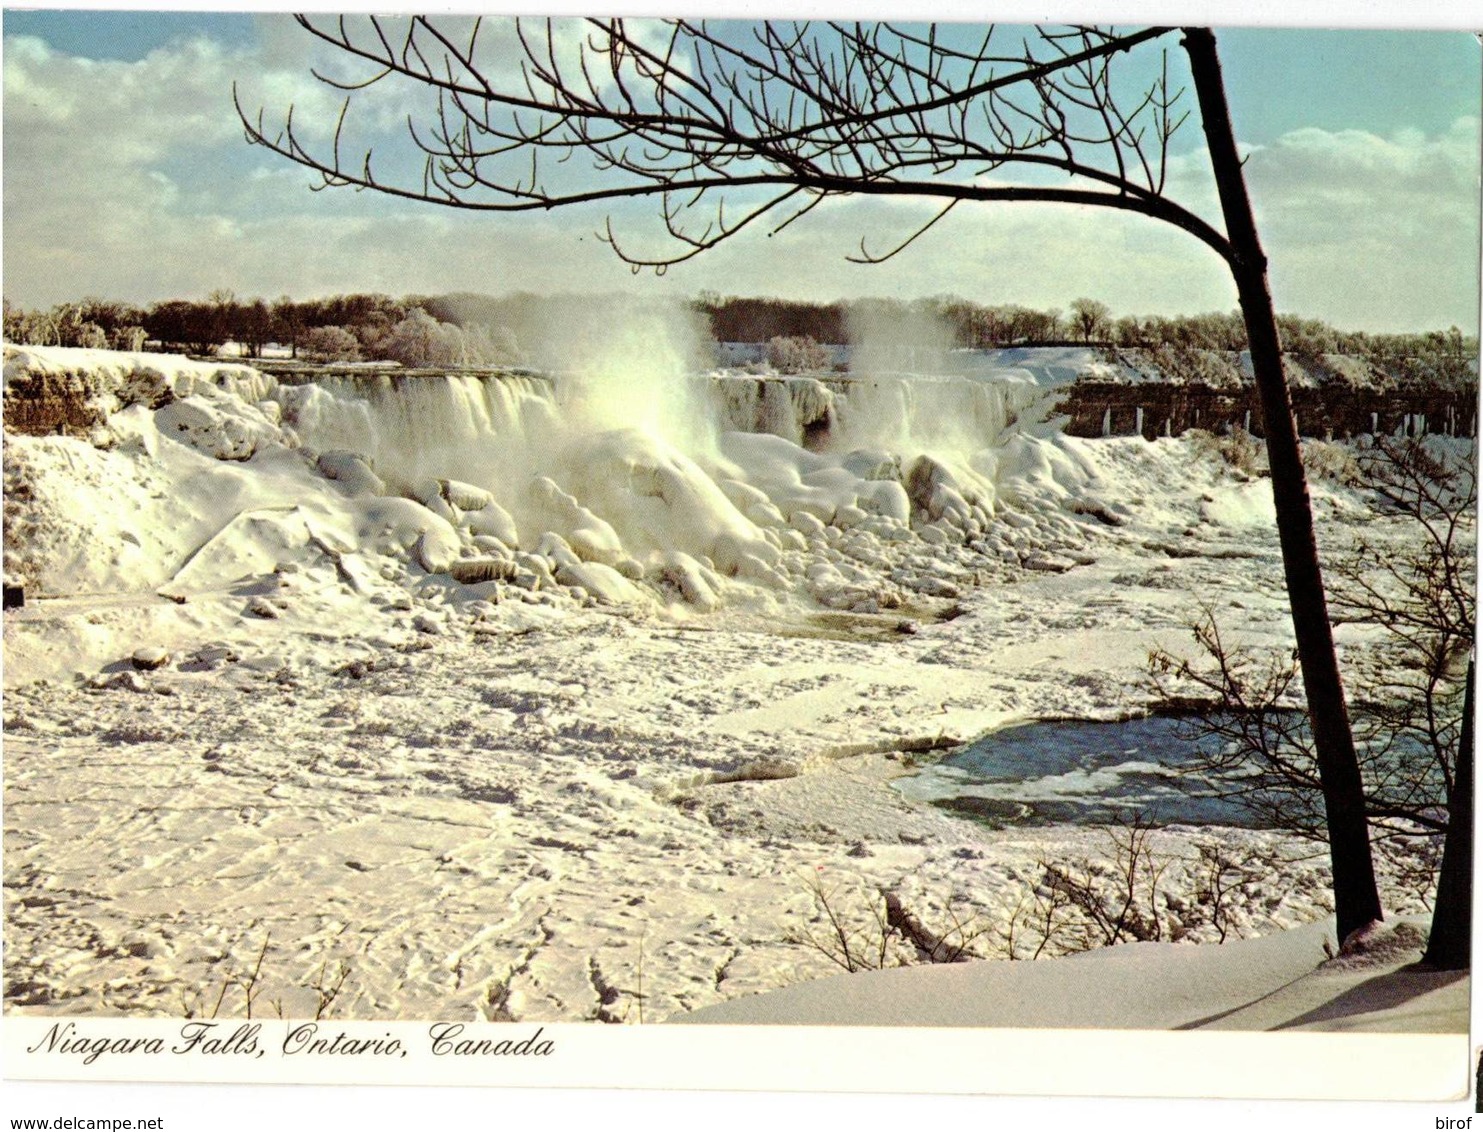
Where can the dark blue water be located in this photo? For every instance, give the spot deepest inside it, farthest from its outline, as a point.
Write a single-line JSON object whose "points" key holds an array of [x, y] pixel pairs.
{"points": [[1092, 773]]}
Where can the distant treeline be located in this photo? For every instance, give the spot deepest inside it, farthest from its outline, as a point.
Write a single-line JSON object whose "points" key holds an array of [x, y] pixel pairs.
{"points": [[472, 329], [343, 328]]}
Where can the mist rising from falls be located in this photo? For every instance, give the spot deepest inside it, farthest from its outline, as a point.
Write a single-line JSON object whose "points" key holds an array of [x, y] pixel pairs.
{"points": [[908, 416], [501, 431], [893, 338], [630, 370]]}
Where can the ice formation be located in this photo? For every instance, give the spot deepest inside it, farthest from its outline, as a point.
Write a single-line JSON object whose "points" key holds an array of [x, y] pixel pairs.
{"points": [[621, 482]]}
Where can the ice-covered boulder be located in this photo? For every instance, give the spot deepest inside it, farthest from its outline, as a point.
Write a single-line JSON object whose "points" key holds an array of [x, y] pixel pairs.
{"points": [[471, 571], [217, 426], [604, 583], [556, 550], [955, 494], [697, 585], [873, 464], [352, 471], [149, 657], [591, 537], [465, 496], [437, 548], [886, 498], [492, 521]]}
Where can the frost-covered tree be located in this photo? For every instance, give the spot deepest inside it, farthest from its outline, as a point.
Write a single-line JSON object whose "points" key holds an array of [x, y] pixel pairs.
{"points": [[90, 336], [730, 126], [29, 328], [799, 354], [127, 338], [330, 344], [1090, 318], [420, 340]]}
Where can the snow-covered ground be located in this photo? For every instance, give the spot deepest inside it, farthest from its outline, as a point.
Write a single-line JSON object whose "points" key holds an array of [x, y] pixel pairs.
{"points": [[498, 698], [1284, 981]]}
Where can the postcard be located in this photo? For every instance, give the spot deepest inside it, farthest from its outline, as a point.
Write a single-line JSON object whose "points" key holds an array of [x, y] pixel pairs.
{"points": [[725, 554]]}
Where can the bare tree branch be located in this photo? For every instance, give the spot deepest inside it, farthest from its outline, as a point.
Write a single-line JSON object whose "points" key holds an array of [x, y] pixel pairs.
{"points": [[694, 113]]}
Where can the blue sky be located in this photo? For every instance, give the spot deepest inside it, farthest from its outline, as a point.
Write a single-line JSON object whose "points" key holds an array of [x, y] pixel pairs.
{"points": [[1363, 164], [128, 35]]}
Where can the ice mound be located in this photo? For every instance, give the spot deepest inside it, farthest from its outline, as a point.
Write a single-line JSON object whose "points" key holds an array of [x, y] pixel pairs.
{"points": [[138, 473]]}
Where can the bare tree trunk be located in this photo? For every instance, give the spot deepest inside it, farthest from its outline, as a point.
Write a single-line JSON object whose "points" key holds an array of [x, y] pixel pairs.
{"points": [[1452, 921], [1356, 899]]}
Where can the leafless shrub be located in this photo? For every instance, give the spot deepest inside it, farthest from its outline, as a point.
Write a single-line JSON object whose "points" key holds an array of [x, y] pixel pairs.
{"points": [[954, 945], [245, 981], [328, 984], [857, 940], [1407, 681], [1118, 897], [871, 930], [1331, 461], [1238, 449], [1409, 867], [240, 990], [1048, 922], [1219, 874]]}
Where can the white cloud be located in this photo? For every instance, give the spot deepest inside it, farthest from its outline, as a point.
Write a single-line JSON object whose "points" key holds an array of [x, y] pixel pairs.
{"points": [[132, 180], [110, 110], [1370, 230], [118, 174]]}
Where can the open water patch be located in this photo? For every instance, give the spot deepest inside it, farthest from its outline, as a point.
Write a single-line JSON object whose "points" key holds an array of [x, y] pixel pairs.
{"points": [[1083, 772]]}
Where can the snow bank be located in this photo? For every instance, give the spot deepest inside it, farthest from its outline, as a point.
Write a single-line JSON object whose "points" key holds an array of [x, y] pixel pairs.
{"points": [[1288, 981]]}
